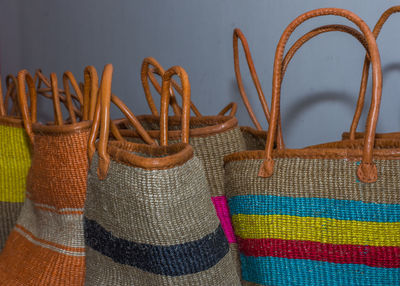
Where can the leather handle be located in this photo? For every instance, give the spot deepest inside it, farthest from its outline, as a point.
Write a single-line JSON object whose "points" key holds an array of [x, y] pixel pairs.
{"points": [[68, 78], [317, 31], [11, 88], [90, 89], [40, 78], [237, 34], [165, 99], [2, 109], [22, 78], [365, 72], [157, 68], [56, 100], [148, 73], [231, 107], [102, 122], [367, 171]]}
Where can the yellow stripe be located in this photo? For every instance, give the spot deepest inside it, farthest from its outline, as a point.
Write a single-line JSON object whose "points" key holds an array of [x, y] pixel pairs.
{"points": [[323, 230], [14, 163]]}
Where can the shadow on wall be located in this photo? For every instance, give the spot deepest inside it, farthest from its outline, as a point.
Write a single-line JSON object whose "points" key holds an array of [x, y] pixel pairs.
{"points": [[306, 102], [386, 70]]}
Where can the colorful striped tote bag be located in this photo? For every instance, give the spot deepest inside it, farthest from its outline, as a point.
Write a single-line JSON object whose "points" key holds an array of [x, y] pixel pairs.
{"points": [[322, 216], [149, 219], [46, 247], [15, 160]]}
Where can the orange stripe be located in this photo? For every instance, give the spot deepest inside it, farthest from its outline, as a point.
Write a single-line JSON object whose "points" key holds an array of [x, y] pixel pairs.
{"points": [[32, 265], [60, 246]]}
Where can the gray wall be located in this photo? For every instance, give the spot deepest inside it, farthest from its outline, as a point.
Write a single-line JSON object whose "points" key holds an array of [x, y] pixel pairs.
{"points": [[319, 91]]}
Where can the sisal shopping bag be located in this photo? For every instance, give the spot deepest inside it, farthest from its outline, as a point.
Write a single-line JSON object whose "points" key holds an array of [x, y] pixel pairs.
{"points": [[15, 160], [326, 216], [149, 219], [46, 247], [352, 134], [212, 137]]}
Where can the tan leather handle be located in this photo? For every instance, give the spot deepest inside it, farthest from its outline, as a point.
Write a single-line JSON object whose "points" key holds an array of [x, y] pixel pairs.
{"points": [[364, 78], [231, 107], [317, 31], [102, 121], [367, 171], [56, 100], [11, 87], [2, 108], [22, 78], [68, 78], [42, 79], [90, 89], [165, 99], [237, 34], [148, 73]]}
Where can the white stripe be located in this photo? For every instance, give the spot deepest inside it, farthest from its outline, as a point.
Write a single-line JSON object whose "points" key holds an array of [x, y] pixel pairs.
{"points": [[51, 247], [63, 229]]}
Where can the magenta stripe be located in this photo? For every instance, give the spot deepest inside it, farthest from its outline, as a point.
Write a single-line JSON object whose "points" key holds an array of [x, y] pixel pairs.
{"points": [[221, 207]]}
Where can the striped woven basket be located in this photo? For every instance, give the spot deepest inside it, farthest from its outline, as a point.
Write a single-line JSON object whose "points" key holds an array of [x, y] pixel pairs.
{"points": [[15, 160], [326, 215], [212, 137], [149, 219], [46, 247]]}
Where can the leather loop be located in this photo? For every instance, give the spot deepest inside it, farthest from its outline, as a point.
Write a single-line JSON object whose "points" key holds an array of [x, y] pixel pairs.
{"points": [[11, 89], [22, 78], [165, 99], [376, 88], [90, 89], [317, 31], [68, 77], [237, 34], [157, 68], [150, 73], [102, 121], [365, 73], [2, 109], [56, 100], [232, 107]]}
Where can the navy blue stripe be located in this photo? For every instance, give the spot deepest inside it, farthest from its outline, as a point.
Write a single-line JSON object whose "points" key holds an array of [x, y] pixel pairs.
{"points": [[173, 260]]}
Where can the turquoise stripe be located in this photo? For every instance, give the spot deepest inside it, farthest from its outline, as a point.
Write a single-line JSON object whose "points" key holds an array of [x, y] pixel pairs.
{"points": [[282, 271], [314, 207]]}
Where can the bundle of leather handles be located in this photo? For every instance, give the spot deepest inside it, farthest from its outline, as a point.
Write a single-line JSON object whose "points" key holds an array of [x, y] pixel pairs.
{"points": [[151, 68], [101, 122]]}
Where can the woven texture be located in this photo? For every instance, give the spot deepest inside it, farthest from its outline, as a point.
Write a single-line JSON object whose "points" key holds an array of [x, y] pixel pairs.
{"points": [[314, 223], [154, 227], [15, 160], [211, 149], [46, 247]]}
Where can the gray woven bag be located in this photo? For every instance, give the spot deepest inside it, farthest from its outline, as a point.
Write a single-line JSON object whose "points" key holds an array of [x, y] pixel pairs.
{"points": [[149, 219], [212, 137]]}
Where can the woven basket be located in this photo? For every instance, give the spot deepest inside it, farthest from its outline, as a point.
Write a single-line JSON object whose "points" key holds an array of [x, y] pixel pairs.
{"points": [[318, 216], [149, 219], [212, 137], [15, 160], [46, 247]]}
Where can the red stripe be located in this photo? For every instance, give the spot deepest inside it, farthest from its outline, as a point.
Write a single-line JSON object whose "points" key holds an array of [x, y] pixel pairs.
{"points": [[374, 256]]}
